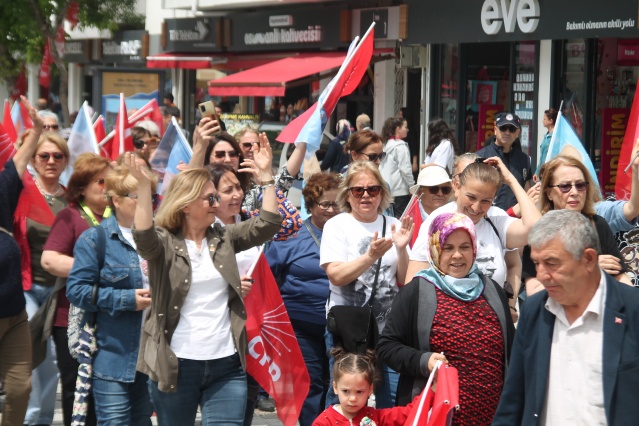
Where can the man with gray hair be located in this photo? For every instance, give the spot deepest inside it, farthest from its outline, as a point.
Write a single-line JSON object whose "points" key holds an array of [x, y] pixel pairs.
{"points": [[575, 359], [362, 122]]}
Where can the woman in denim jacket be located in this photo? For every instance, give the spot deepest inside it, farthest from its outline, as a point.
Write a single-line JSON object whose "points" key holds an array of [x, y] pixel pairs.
{"points": [[194, 341], [120, 393]]}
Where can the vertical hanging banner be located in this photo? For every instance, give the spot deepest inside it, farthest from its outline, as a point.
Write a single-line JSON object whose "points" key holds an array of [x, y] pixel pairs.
{"points": [[613, 128], [486, 122]]}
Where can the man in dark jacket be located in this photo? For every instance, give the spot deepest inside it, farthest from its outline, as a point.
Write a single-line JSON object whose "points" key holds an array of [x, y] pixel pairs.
{"points": [[505, 145]]}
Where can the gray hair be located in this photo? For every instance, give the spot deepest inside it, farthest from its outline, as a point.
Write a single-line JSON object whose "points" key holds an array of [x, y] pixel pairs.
{"points": [[49, 114], [575, 231]]}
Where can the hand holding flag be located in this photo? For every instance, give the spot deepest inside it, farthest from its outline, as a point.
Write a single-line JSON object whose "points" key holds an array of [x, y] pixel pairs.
{"points": [[309, 126], [435, 407]]}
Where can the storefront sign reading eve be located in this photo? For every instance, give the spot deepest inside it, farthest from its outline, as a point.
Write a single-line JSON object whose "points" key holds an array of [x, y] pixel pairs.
{"points": [[522, 13]]}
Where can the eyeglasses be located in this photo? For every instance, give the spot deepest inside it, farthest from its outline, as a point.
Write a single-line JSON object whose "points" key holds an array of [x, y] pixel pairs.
{"points": [[508, 128], [566, 187], [57, 156], [50, 127], [151, 143], [374, 157], [358, 191], [222, 154], [212, 199], [435, 189], [248, 145], [155, 198], [325, 205]]}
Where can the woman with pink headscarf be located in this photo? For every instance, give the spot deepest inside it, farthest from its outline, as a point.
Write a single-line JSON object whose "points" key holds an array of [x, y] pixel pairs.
{"points": [[453, 313]]}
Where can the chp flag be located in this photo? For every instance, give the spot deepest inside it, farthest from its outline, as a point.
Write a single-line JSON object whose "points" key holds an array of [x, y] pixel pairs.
{"points": [[172, 150], [274, 357], [309, 126]]}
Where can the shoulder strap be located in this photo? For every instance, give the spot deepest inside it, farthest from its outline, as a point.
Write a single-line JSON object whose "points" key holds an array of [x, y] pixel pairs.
{"points": [[379, 264], [310, 231], [492, 225], [100, 251]]}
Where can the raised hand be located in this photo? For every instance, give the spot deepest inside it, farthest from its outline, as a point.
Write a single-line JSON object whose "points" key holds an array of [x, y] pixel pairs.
{"points": [[402, 236], [263, 157], [379, 247]]}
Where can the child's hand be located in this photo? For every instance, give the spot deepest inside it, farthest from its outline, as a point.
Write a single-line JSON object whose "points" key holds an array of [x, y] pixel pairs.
{"points": [[367, 422]]}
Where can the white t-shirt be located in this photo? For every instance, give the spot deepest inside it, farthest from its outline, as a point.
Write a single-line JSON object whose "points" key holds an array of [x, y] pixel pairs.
{"points": [[344, 239], [204, 329], [443, 155], [490, 246]]}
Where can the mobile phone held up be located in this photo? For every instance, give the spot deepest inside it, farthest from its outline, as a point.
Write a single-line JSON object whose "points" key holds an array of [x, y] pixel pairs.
{"points": [[208, 110]]}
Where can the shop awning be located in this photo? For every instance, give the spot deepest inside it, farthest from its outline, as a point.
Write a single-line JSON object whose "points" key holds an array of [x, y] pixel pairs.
{"points": [[273, 78], [196, 61]]}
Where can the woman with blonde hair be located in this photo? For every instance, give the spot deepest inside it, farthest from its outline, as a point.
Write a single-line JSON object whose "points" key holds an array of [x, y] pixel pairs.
{"points": [[358, 243], [49, 162], [566, 184], [194, 340]]}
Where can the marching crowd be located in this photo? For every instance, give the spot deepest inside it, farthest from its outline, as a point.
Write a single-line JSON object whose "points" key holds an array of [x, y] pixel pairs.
{"points": [[440, 269]]}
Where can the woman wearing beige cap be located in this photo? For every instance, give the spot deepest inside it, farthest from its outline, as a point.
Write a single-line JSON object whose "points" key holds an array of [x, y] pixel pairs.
{"points": [[434, 186]]}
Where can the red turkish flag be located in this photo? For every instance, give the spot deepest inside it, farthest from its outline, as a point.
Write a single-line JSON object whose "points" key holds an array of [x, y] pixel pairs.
{"points": [[150, 111], [123, 141], [6, 144], [98, 128], [45, 67], [20, 86], [623, 184], [413, 210], [274, 358], [7, 124], [435, 408], [73, 13]]}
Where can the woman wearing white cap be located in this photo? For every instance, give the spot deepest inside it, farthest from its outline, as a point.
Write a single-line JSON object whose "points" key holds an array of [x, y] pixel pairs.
{"points": [[433, 187]]}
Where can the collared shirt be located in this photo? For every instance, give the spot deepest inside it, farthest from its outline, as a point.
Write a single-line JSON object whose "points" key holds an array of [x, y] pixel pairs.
{"points": [[575, 378]]}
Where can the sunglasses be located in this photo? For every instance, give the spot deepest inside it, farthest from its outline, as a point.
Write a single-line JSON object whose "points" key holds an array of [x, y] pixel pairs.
{"points": [[358, 191], [212, 199], [248, 145], [374, 157], [435, 189], [222, 154], [57, 156], [326, 205], [565, 188], [155, 198], [508, 128], [50, 127]]}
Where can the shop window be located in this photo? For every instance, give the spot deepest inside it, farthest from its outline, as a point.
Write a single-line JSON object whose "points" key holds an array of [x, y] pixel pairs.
{"points": [[574, 83], [524, 89], [449, 72]]}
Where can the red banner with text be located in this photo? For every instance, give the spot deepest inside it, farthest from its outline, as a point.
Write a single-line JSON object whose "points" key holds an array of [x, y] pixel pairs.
{"points": [[486, 123], [613, 129]]}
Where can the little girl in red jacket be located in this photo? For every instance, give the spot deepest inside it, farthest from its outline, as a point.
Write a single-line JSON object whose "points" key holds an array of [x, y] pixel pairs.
{"points": [[353, 378]]}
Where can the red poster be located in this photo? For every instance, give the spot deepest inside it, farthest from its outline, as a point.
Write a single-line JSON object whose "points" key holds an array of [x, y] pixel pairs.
{"points": [[486, 123], [613, 128]]}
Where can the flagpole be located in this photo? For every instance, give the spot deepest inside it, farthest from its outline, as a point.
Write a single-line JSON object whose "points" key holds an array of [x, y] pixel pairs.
{"points": [[427, 389], [410, 203], [257, 259], [134, 117], [554, 134]]}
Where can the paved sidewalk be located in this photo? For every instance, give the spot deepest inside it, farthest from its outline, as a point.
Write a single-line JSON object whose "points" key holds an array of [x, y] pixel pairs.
{"points": [[261, 418]]}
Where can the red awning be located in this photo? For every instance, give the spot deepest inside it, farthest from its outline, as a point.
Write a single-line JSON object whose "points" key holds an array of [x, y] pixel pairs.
{"points": [[272, 79]]}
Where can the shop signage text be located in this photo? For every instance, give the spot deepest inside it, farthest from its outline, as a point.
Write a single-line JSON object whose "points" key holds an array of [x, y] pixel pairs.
{"points": [[192, 35], [196, 34], [312, 34], [614, 122], [524, 13], [126, 46]]}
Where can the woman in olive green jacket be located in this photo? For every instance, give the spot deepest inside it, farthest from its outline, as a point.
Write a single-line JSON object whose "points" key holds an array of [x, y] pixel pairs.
{"points": [[194, 340]]}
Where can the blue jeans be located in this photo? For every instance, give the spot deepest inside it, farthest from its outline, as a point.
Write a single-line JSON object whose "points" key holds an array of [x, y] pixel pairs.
{"points": [[385, 393], [218, 386], [44, 378], [118, 403], [310, 337]]}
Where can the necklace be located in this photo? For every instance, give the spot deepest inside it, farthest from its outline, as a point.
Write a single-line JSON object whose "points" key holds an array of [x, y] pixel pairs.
{"points": [[47, 196]]}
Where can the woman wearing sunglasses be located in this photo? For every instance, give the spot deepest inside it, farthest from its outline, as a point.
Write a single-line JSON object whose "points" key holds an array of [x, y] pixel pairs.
{"points": [[433, 189], [194, 341], [120, 393], [87, 207], [211, 146], [49, 161], [565, 184], [475, 190], [352, 243]]}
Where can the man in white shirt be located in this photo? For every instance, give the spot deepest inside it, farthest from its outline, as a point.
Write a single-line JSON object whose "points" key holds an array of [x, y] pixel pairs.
{"points": [[575, 359]]}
